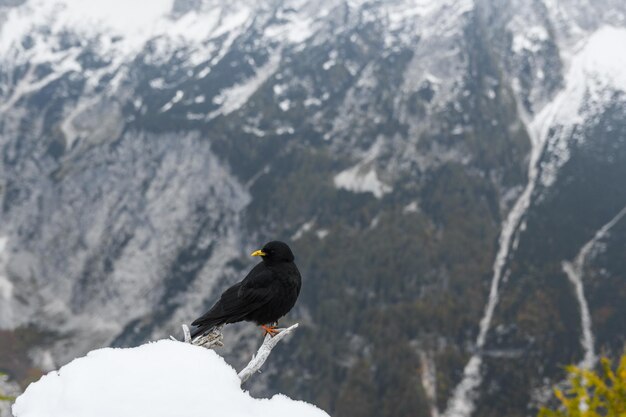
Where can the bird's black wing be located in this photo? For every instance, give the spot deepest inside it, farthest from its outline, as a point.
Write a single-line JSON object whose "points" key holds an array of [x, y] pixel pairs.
{"points": [[240, 300]]}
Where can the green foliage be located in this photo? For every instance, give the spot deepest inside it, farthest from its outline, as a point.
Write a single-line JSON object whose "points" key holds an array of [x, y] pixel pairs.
{"points": [[5, 397], [593, 394]]}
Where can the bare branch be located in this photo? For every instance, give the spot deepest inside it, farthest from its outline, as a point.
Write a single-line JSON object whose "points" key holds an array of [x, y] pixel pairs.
{"points": [[263, 353], [216, 338]]}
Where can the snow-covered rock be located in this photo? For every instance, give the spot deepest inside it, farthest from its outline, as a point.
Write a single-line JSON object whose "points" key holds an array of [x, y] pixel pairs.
{"points": [[164, 378]]}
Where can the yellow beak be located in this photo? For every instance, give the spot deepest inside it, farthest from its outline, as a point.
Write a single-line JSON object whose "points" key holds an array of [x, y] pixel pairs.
{"points": [[258, 253]]}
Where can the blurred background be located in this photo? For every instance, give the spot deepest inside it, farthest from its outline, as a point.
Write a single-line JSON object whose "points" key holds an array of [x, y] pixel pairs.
{"points": [[450, 175]]}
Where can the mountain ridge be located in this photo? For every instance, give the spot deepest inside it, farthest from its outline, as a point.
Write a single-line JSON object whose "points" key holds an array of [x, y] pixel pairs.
{"points": [[142, 155]]}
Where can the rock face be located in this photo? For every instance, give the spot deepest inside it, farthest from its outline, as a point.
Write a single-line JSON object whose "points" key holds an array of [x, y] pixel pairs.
{"points": [[435, 165]]}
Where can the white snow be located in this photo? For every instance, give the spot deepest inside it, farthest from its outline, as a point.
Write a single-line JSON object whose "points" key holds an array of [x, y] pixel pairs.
{"points": [[233, 98], [279, 89], [362, 178], [312, 101], [595, 71], [61, 63], [322, 233], [428, 377], [70, 131], [332, 60], [138, 21], [254, 130], [285, 130], [400, 12], [574, 272], [160, 379], [303, 229], [412, 207], [120, 29], [157, 83], [285, 104], [531, 40], [294, 28], [177, 97]]}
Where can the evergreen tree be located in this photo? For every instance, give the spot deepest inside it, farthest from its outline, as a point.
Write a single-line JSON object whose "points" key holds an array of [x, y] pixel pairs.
{"points": [[593, 394]]}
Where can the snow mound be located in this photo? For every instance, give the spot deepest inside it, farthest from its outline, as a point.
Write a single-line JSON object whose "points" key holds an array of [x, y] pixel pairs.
{"points": [[159, 379]]}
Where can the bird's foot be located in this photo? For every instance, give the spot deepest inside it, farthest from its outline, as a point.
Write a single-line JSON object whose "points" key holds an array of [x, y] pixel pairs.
{"points": [[271, 330]]}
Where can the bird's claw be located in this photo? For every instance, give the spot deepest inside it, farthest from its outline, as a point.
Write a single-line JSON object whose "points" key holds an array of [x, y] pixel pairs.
{"points": [[271, 330]]}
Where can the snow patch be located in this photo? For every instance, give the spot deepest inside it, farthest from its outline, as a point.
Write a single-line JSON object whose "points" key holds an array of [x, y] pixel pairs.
{"points": [[531, 40], [233, 98], [279, 89], [303, 229], [285, 130], [412, 207], [285, 104], [203, 73], [362, 178], [400, 12], [253, 130], [177, 97], [322, 233], [120, 35], [312, 101], [332, 60], [160, 379], [138, 19], [157, 83], [428, 377], [596, 73], [293, 28]]}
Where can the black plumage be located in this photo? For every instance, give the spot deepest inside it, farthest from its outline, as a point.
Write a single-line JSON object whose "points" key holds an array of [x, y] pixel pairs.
{"points": [[266, 294]]}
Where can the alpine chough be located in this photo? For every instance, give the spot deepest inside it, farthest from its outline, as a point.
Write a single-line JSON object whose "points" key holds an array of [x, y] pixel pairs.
{"points": [[265, 295]]}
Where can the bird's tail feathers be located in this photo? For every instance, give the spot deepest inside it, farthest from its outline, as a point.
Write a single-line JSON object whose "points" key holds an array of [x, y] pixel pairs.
{"points": [[199, 331]]}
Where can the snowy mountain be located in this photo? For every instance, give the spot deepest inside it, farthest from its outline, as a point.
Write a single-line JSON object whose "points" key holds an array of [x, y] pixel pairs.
{"points": [[450, 175]]}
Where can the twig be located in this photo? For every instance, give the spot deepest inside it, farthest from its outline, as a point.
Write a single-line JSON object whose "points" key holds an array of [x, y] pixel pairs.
{"points": [[216, 338], [264, 351]]}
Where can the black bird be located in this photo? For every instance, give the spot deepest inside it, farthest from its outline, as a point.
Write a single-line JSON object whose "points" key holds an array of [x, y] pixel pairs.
{"points": [[265, 295]]}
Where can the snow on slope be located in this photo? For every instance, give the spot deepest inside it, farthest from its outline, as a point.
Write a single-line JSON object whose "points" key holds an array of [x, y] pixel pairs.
{"points": [[132, 23], [596, 72], [160, 379], [362, 178], [574, 271]]}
